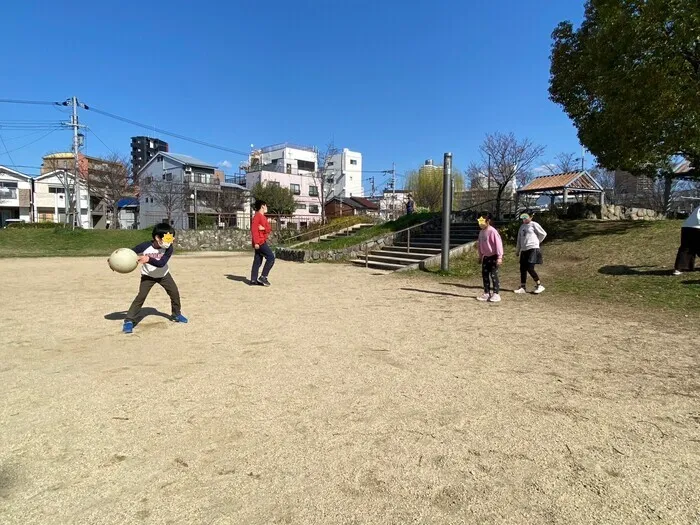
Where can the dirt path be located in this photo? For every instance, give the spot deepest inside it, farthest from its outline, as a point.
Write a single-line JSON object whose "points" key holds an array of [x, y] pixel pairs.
{"points": [[336, 396]]}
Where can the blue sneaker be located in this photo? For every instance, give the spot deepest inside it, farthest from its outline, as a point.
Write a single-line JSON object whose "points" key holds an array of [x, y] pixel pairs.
{"points": [[179, 318], [128, 327]]}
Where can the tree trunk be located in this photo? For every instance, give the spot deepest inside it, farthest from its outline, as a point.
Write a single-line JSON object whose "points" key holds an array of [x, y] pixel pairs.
{"points": [[668, 186], [499, 197]]}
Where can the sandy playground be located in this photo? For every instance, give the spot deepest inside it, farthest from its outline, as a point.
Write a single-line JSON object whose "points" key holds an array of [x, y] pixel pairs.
{"points": [[336, 396]]}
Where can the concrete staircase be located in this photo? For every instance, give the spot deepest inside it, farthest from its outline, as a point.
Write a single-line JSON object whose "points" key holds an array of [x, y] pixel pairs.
{"points": [[423, 245], [345, 232]]}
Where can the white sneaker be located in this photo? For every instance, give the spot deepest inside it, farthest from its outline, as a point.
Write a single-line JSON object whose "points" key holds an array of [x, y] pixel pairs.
{"points": [[483, 297], [495, 298], [520, 290], [676, 272], [539, 289]]}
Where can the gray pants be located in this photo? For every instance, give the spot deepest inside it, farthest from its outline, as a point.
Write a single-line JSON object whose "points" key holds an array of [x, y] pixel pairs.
{"points": [[168, 284]]}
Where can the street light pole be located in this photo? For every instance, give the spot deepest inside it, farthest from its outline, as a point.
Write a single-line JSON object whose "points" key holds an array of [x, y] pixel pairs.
{"points": [[194, 199]]}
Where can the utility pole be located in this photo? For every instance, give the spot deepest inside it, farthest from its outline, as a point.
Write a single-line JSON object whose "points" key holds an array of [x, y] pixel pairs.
{"points": [[76, 174], [77, 208], [393, 190], [446, 211], [372, 181]]}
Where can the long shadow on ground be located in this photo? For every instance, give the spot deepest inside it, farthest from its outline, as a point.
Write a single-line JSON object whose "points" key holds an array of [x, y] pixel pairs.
{"points": [[475, 287], [145, 312], [238, 278], [432, 292], [621, 269]]}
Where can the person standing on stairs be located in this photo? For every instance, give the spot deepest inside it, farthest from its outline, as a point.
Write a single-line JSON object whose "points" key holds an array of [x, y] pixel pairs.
{"points": [[527, 247]]}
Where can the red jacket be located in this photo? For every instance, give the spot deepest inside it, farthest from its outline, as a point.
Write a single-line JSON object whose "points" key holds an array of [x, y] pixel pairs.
{"points": [[260, 236]]}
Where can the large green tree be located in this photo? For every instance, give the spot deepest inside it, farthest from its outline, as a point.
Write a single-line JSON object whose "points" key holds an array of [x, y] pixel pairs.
{"points": [[280, 201], [629, 78], [426, 185]]}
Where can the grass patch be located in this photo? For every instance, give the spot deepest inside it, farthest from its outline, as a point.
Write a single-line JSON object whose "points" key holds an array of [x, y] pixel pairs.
{"points": [[368, 233], [62, 242], [287, 237], [627, 262]]}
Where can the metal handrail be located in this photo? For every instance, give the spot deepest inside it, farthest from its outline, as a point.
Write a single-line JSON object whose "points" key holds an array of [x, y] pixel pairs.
{"points": [[316, 231]]}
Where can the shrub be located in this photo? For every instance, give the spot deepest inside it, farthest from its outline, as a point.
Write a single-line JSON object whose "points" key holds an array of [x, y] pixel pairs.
{"points": [[39, 225], [206, 222], [550, 223]]}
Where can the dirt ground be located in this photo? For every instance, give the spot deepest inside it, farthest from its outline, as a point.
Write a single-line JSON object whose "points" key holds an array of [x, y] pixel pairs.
{"points": [[338, 395]]}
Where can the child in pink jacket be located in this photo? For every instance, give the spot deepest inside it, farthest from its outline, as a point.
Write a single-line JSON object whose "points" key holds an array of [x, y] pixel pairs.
{"points": [[490, 248]]}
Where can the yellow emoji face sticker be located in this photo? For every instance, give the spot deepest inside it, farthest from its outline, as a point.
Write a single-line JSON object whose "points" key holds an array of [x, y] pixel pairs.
{"points": [[168, 238], [482, 221]]}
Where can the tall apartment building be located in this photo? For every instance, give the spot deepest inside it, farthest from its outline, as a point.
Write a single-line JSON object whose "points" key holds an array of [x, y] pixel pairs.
{"points": [[143, 149]]}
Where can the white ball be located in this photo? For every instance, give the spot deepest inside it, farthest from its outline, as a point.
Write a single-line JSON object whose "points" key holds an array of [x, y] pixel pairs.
{"points": [[123, 260]]}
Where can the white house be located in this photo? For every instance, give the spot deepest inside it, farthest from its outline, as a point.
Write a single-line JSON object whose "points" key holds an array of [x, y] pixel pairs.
{"points": [[174, 188], [392, 204], [345, 168], [50, 197], [15, 196], [292, 167]]}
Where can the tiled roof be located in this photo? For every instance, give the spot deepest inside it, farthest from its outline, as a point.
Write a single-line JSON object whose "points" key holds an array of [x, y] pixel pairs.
{"points": [[575, 180], [366, 203], [186, 159]]}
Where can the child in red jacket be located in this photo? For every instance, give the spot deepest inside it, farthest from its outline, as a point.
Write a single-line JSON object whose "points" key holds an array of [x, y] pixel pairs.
{"points": [[260, 231]]}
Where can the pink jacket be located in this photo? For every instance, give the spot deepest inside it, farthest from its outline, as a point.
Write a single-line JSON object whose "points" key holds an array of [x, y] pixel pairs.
{"points": [[490, 243]]}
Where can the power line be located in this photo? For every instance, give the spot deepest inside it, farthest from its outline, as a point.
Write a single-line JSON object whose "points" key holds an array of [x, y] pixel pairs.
{"points": [[102, 141], [6, 150], [165, 132], [36, 102], [30, 143]]}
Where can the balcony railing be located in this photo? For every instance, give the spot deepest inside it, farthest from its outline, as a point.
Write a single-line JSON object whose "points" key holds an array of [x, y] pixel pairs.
{"points": [[8, 194], [276, 147]]}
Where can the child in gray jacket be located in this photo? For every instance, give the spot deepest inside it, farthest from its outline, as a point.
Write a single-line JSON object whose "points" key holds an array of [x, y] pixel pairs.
{"points": [[527, 247]]}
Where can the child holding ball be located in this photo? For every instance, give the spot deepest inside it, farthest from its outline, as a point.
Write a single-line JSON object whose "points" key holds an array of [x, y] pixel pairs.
{"points": [[154, 257]]}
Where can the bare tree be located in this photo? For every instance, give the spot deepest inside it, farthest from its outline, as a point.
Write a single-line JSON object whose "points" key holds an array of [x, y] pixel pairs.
{"points": [[111, 182], [324, 177], [606, 178], [563, 163], [508, 161], [169, 195], [227, 201]]}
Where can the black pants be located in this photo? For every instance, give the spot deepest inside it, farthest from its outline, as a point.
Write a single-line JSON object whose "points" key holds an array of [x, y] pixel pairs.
{"points": [[263, 252], [489, 272], [527, 265], [690, 248], [168, 284]]}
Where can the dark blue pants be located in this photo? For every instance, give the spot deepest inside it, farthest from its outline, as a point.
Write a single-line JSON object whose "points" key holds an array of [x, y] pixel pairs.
{"points": [[263, 252]]}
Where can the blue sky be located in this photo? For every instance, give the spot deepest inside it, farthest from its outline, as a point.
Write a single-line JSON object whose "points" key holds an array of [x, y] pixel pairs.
{"points": [[399, 81]]}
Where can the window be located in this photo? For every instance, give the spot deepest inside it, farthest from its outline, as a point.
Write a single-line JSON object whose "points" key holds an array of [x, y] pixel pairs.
{"points": [[353, 162], [159, 158], [168, 177], [148, 180], [57, 190], [296, 189], [313, 208], [301, 206], [289, 168], [273, 183], [306, 165], [313, 191], [331, 163]]}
